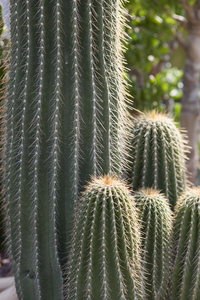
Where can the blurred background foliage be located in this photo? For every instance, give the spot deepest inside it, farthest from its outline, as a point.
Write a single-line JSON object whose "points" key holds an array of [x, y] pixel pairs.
{"points": [[154, 57]]}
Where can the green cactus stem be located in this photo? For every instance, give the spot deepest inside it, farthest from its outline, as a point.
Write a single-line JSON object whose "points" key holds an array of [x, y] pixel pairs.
{"points": [[105, 255], [156, 219], [65, 121], [186, 269], [158, 155]]}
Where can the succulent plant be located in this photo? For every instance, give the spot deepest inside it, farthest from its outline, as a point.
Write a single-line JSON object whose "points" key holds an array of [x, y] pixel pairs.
{"points": [[105, 255], [157, 158], [64, 111], [186, 267], [156, 219]]}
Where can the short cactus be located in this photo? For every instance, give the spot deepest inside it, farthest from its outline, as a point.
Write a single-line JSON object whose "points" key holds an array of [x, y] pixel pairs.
{"points": [[158, 155], [156, 219], [105, 255], [186, 269]]}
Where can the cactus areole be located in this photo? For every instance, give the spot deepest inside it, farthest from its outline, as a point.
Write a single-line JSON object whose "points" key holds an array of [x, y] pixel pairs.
{"points": [[64, 112]]}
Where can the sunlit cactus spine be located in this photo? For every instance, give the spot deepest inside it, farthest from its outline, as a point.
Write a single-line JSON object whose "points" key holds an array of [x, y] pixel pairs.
{"points": [[158, 155], [105, 255], [65, 121], [186, 269], [156, 226]]}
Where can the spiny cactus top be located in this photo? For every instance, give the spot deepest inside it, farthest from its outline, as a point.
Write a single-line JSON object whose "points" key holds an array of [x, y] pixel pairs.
{"points": [[156, 220], [105, 254], [158, 155], [64, 111], [186, 269]]}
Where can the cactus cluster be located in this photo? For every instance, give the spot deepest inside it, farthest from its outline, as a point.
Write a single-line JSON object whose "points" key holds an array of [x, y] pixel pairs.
{"points": [[66, 120], [105, 255], [158, 155]]}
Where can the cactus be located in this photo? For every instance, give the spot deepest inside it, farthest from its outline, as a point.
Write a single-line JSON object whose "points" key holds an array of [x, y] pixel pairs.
{"points": [[3, 65], [104, 259], [63, 123], [156, 218], [158, 155], [186, 269]]}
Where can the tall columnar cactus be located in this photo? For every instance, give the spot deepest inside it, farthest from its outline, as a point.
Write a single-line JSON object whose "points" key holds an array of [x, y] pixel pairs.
{"points": [[3, 65], [186, 269], [156, 220], [158, 155], [64, 113], [105, 255]]}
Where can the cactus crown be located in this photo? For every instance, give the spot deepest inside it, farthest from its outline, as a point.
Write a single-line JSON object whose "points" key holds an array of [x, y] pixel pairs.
{"points": [[105, 260]]}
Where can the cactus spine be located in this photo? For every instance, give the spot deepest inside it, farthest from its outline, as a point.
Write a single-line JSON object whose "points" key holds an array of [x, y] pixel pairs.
{"points": [[64, 113], [104, 259], [186, 269], [156, 219], [158, 155]]}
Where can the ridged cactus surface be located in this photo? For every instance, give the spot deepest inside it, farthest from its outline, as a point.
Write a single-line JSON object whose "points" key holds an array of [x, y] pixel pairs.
{"points": [[105, 255], [186, 269], [156, 226], [64, 114], [158, 155]]}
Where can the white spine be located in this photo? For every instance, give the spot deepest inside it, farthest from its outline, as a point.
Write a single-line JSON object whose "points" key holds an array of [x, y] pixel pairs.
{"points": [[119, 124], [130, 266], [90, 259], [197, 258], [77, 268], [163, 138], [74, 271], [36, 145], [174, 162], [187, 258], [146, 148], [55, 131], [105, 68], [76, 97], [104, 291], [117, 256], [155, 153], [94, 91], [155, 266], [136, 145]]}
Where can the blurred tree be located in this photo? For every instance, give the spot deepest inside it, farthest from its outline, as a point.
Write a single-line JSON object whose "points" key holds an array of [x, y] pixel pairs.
{"points": [[190, 110], [157, 29], [153, 39]]}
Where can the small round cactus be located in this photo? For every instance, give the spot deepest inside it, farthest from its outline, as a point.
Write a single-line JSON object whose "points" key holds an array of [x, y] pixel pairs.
{"points": [[158, 155], [105, 255], [156, 219], [186, 269]]}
